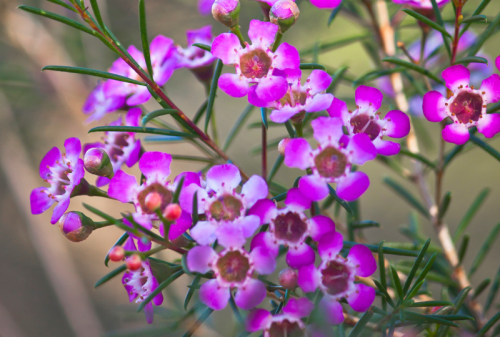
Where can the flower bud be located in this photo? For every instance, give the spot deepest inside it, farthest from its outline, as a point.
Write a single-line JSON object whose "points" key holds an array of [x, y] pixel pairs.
{"points": [[282, 145], [116, 254], [172, 212], [153, 201], [284, 13], [97, 162], [288, 278], [75, 226], [227, 12], [134, 262]]}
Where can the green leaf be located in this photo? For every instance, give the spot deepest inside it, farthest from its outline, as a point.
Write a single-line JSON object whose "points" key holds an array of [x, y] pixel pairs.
{"points": [[396, 283], [493, 291], [275, 168], [443, 207], [439, 20], [406, 195], [459, 300], [191, 290], [474, 18], [160, 287], [342, 202], [237, 126], [387, 250], [325, 46], [383, 290], [198, 322], [97, 13], [365, 224], [120, 242], [418, 157], [334, 13], [471, 59], [430, 319], [110, 275], [139, 129], [493, 108], [481, 39], [191, 158], [194, 211], [430, 304], [414, 291], [477, 11], [201, 110], [92, 72], [373, 75], [203, 46], [381, 264], [157, 113], [488, 325], [263, 115], [427, 21], [175, 198], [360, 325], [469, 215], [415, 267], [463, 248], [213, 92], [336, 77], [57, 17], [63, 4], [486, 147], [414, 67], [305, 66], [279, 197], [144, 37], [485, 248], [481, 287], [426, 269]]}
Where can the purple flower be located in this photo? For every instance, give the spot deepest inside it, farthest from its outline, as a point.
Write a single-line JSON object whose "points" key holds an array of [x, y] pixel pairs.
{"points": [[205, 6], [326, 4], [140, 283], [331, 162], [423, 4], [310, 97], [366, 119], [225, 209], [290, 227], [335, 277], [98, 103], [255, 63], [466, 107], [121, 147], [163, 62], [233, 268], [63, 172], [194, 57]]}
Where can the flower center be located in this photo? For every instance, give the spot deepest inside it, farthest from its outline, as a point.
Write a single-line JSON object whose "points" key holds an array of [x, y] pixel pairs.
{"points": [[152, 192], [335, 277], [233, 267], [289, 227], [226, 208], [285, 328], [330, 162], [365, 124], [292, 98], [467, 107], [255, 64]]}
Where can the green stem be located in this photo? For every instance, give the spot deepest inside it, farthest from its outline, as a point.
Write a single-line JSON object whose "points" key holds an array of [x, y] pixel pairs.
{"points": [[277, 41], [299, 129], [236, 31], [102, 224]]}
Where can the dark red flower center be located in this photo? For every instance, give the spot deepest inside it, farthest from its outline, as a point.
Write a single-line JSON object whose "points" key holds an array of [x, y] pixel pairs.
{"points": [[155, 188], [366, 124], [285, 328], [255, 64], [289, 227], [233, 267], [119, 142], [226, 208], [467, 107], [330, 162], [292, 98], [335, 277]]}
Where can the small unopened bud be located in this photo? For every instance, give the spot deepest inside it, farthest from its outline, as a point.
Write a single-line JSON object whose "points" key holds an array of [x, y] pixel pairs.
{"points": [[116, 254], [227, 12], [282, 145], [76, 226], [134, 262], [172, 212], [97, 162], [153, 201], [284, 13], [288, 278]]}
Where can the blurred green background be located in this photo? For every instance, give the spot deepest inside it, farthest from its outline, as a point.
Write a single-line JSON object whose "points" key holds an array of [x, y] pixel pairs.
{"points": [[46, 282]]}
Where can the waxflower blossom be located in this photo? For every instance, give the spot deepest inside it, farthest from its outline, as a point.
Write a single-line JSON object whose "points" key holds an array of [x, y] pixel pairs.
{"points": [[255, 63], [225, 209], [227, 12], [76, 226], [289, 226], [63, 172], [466, 107], [284, 13], [326, 4], [331, 162], [121, 147], [335, 277], [99, 104], [420, 4], [366, 119], [299, 99], [163, 63], [140, 283], [233, 269]]}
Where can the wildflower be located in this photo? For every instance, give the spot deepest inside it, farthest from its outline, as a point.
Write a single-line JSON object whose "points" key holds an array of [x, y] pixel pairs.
{"points": [[233, 269], [140, 283], [466, 107], [335, 277], [366, 119], [63, 172], [116, 254], [162, 61], [332, 161], [298, 99], [227, 12], [256, 62], [76, 226], [290, 227], [284, 13], [99, 104], [97, 162], [224, 208]]}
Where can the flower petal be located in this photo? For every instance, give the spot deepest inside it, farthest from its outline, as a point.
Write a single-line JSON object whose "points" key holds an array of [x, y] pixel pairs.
{"points": [[225, 47], [73, 148], [296, 200], [40, 201], [160, 48], [256, 101], [307, 278], [155, 164], [223, 177], [361, 149], [319, 226], [204, 232], [352, 186], [253, 190], [298, 153], [455, 76], [265, 239], [326, 4], [49, 160], [59, 210], [330, 245], [257, 320], [491, 87], [230, 235], [205, 7], [368, 96], [122, 186], [180, 226], [363, 259], [319, 80], [262, 33], [233, 85], [313, 187], [264, 262], [265, 209], [339, 109], [249, 225], [149, 312], [284, 113], [433, 106], [251, 295], [214, 295], [271, 88], [319, 102], [140, 95], [299, 256], [489, 125], [398, 124], [386, 147], [361, 299], [455, 133], [186, 197], [199, 259], [332, 311], [298, 307], [133, 157], [287, 57], [133, 117], [327, 129]]}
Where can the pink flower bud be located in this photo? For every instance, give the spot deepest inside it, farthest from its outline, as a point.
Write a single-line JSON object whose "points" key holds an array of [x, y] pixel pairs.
{"points": [[172, 212], [97, 162], [134, 262], [75, 226], [284, 13], [116, 254], [288, 278], [153, 201], [226, 12], [282, 145]]}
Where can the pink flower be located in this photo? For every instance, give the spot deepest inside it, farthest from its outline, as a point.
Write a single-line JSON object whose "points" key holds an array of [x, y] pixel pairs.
{"points": [[194, 57], [290, 227], [310, 97], [335, 277], [255, 63], [331, 162], [467, 106], [326, 4], [366, 119], [423, 4], [98, 103], [63, 172]]}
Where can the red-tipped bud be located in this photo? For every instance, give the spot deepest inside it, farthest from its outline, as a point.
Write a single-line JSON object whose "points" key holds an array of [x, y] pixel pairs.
{"points": [[227, 12], [288, 278], [282, 145], [172, 212], [117, 254], [96, 161], [284, 13], [134, 262], [153, 201], [76, 226]]}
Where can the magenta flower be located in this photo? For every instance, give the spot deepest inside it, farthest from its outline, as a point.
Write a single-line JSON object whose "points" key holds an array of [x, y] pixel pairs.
{"points": [[140, 283], [290, 227], [497, 62], [225, 209], [298, 99], [326, 4], [331, 162], [255, 63], [233, 269], [420, 4], [63, 172], [163, 62], [121, 147], [205, 6], [467, 106], [366, 119], [98, 103], [335, 277], [193, 57]]}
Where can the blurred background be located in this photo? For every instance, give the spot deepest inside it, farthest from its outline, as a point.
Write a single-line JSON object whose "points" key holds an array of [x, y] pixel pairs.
{"points": [[46, 282]]}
